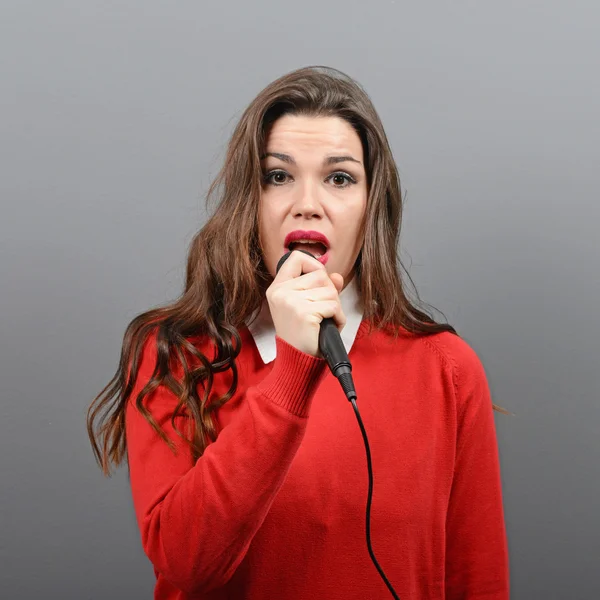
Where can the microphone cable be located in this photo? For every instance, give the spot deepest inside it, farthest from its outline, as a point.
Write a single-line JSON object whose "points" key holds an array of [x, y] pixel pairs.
{"points": [[341, 369], [369, 498]]}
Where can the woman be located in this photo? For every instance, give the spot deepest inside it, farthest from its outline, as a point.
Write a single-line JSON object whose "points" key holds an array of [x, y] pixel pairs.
{"points": [[246, 462]]}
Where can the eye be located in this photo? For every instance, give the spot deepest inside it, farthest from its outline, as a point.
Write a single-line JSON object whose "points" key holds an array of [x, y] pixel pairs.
{"points": [[276, 177], [341, 179]]}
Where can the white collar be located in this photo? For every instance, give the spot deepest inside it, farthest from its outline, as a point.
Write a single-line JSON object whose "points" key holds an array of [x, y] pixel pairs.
{"points": [[263, 330]]}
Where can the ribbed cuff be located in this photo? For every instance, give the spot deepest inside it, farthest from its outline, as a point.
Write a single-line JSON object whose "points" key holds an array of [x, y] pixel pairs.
{"points": [[294, 378]]}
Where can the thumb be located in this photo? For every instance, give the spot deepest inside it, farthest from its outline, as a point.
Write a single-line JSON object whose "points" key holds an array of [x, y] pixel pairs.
{"points": [[338, 281]]}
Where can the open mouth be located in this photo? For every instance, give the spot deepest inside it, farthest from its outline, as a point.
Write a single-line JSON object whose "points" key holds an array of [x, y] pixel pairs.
{"points": [[317, 249]]}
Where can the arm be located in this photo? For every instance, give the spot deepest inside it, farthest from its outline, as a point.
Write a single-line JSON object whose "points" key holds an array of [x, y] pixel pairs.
{"points": [[476, 545], [197, 520]]}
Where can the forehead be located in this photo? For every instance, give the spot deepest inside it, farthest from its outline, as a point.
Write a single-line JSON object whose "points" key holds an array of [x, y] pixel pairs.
{"points": [[326, 134]]}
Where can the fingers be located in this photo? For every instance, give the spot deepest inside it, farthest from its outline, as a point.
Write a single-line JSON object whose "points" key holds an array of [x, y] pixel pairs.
{"points": [[296, 264], [319, 294], [300, 297], [328, 309]]}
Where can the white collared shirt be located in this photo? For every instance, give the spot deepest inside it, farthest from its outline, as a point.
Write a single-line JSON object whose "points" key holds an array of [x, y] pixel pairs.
{"points": [[263, 330]]}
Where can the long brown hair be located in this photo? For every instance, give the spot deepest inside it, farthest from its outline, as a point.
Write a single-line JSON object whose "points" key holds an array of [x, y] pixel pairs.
{"points": [[226, 278]]}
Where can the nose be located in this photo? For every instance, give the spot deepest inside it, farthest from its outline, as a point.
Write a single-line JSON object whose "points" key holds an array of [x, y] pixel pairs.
{"points": [[307, 202]]}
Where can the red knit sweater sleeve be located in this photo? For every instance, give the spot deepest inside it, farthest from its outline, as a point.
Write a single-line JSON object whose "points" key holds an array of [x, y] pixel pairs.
{"points": [[476, 548], [197, 520]]}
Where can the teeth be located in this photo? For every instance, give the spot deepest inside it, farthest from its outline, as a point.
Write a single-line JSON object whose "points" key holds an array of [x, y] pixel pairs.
{"points": [[307, 242]]}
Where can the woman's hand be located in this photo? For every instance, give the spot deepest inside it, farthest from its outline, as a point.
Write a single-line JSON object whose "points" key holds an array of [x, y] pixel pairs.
{"points": [[298, 303]]}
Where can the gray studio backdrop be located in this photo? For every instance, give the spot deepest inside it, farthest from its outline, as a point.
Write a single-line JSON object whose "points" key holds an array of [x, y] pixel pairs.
{"points": [[114, 118]]}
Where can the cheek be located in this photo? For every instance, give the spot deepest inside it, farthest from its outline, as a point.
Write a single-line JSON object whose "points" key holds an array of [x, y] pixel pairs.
{"points": [[352, 219], [267, 234], [263, 226], [352, 237], [270, 224], [266, 230]]}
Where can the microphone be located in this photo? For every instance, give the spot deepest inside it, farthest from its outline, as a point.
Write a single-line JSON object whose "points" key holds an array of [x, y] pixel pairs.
{"points": [[331, 347]]}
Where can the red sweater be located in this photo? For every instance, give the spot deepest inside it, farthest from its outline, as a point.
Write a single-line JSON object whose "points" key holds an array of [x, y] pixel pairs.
{"points": [[275, 508]]}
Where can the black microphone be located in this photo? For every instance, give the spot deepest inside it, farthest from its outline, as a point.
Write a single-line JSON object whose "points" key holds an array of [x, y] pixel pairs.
{"points": [[331, 347]]}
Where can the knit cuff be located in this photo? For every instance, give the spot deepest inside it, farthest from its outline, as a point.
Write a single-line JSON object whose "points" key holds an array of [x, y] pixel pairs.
{"points": [[294, 378]]}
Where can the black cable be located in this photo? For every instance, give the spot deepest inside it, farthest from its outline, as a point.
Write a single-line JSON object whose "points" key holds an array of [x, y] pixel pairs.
{"points": [[369, 498]]}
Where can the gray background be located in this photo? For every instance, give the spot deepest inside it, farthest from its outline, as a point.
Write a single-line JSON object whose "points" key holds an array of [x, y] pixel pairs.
{"points": [[114, 118]]}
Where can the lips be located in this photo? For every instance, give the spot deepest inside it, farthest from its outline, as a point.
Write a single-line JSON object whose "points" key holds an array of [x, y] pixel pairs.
{"points": [[312, 236]]}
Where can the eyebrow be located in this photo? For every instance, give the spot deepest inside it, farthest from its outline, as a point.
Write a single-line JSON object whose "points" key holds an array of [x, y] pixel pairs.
{"points": [[330, 160]]}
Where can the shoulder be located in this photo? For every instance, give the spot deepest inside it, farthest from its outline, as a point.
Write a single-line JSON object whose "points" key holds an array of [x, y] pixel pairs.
{"points": [[444, 352], [456, 352], [471, 388]]}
